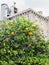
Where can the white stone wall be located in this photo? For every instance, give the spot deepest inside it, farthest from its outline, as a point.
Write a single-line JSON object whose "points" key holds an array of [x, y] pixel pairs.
{"points": [[3, 12], [48, 30]]}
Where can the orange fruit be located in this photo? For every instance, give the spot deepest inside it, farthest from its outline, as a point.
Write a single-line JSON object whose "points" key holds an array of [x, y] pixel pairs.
{"points": [[11, 23], [12, 33], [26, 28], [3, 24], [30, 33], [34, 26], [41, 39]]}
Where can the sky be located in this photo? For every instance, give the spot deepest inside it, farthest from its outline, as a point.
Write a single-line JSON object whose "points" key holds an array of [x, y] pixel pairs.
{"points": [[37, 5]]}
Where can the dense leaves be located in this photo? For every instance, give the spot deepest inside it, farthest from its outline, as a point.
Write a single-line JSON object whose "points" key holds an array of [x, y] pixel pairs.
{"points": [[22, 44]]}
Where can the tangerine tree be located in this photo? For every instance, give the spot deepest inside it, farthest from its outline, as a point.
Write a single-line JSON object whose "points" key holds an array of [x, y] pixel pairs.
{"points": [[22, 44]]}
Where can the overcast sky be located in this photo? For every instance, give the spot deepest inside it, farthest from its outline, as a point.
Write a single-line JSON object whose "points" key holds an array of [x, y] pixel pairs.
{"points": [[42, 5]]}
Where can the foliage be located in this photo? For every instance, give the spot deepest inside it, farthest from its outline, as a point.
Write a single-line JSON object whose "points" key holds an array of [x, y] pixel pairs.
{"points": [[22, 44]]}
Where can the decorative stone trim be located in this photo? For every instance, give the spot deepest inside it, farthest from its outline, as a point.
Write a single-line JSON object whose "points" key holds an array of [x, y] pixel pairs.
{"points": [[28, 11]]}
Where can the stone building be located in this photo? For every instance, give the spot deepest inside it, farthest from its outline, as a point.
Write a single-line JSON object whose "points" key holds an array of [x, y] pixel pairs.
{"points": [[4, 11], [42, 21]]}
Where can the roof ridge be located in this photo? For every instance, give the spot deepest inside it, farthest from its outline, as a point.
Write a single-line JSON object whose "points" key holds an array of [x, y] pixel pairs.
{"points": [[24, 11]]}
